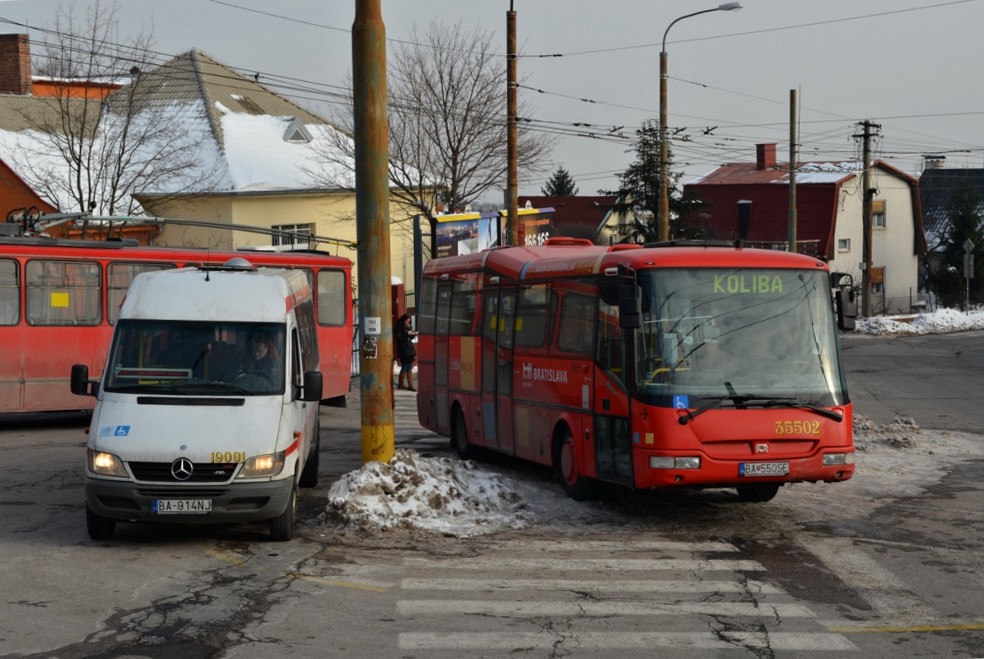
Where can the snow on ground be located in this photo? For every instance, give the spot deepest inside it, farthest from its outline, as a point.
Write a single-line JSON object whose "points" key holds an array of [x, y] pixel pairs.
{"points": [[462, 498]]}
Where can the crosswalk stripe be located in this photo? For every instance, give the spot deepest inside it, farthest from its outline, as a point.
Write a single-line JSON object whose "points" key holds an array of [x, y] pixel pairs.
{"points": [[595, 564], [581, 608], [622, 547], [625, 641], [592, 586]]}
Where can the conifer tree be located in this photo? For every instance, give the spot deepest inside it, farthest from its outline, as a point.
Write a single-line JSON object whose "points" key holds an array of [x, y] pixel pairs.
{"points": [[560, 184]]}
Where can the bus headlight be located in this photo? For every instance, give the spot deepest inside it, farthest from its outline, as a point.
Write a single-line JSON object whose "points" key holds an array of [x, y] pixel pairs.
{"points": [[836, 459], [262, 466], [670, 462], [105, 464]]}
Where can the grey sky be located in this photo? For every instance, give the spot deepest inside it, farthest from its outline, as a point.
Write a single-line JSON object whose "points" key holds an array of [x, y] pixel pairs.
{"points": [[900, 63]]}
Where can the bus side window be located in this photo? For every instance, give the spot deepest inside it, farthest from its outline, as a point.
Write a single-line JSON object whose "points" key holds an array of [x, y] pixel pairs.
{"points": [[534, 312], [9, 293], [611, 354]]}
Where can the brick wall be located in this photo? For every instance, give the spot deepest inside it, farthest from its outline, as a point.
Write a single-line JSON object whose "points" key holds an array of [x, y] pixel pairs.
{"points": [[15, 64]]}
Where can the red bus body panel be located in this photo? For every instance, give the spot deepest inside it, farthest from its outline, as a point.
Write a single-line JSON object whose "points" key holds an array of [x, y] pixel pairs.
{"points": [[37, 359]]}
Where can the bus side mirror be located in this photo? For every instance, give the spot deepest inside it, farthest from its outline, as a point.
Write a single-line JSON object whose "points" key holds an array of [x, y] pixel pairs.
{"points": [[80, 382], [629, 307], [847, 309], [313, 386]]}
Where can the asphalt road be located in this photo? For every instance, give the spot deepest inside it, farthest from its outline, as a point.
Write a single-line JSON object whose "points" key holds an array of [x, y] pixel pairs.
{"points": [[937, 379]]}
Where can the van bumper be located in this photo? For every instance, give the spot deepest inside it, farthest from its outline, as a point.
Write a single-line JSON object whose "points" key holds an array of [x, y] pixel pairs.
{"points": [[236, 502]]}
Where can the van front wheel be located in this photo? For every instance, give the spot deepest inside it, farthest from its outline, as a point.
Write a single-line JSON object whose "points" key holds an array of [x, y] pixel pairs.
{"points": [[282, 526], [99, 527]]}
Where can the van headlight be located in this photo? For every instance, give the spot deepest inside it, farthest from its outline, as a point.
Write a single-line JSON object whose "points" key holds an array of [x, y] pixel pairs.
{"points": [[262, 466], [105, 464]]}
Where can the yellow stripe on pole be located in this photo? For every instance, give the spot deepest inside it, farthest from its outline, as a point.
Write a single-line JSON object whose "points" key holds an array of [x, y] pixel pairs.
{"points": [[378, 443]]}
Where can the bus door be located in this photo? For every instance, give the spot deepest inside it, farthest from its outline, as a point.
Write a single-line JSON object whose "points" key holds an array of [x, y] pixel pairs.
{"points": [[612, 429], [441, 365], [497, 342]]}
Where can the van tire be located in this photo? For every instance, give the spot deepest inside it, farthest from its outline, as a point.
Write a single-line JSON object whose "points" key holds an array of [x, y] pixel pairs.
{"points": [[309, 477], [99, 527], [282, 526]]}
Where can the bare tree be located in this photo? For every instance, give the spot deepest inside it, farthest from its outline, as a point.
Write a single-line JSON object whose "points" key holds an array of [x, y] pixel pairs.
{"points": [[447, 122], [93, 150]]}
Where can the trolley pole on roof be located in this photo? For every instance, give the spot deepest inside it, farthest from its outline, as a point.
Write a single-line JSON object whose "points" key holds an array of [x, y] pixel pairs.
{"points": [[372, 223], [512, 141]]}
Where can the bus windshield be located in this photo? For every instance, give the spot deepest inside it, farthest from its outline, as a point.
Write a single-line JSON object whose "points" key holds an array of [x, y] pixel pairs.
{"points": [[196, 358], [715, 334]]}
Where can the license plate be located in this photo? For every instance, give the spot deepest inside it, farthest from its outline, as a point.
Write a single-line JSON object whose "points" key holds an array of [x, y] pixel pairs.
{"points": [[182, 506], [763, 469]]}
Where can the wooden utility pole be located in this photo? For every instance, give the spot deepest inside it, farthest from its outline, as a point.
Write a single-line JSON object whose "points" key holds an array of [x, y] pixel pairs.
{"points": [[512, 183], [372, 227], [791, 222], [868, 130]]}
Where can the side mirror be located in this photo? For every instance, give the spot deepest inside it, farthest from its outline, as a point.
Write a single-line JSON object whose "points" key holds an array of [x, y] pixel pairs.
{"points": [[80, 383], [847, 309], [629, 307], [313, 386]]}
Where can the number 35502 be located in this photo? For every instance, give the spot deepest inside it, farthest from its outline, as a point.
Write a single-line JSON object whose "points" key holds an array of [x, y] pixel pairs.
{"points": [[797, 427]]}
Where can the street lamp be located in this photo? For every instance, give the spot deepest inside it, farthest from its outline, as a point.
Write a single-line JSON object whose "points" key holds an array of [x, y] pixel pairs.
{"points": [[663, 217]]}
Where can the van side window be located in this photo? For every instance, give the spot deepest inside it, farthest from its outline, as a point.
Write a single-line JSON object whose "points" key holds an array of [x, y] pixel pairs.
{"points": [[296, 372]]}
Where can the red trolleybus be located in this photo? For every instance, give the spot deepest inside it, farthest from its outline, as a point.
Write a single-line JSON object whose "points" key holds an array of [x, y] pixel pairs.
{"points": [[661, 366], [59, 300]]}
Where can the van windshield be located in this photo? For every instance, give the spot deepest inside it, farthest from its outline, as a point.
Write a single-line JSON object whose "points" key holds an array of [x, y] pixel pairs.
{"points": [[184, 358]]}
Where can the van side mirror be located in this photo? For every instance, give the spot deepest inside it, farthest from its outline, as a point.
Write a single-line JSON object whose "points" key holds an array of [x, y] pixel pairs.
{"points": [[80, 383], [313, 386]]}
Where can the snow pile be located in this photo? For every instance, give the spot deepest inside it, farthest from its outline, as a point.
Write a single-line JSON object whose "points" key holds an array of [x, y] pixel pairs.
{"points": [[443, 495], [941, 321]]}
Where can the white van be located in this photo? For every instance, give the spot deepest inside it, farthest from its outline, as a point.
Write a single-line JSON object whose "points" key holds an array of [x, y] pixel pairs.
{"points": [[207, 410]]}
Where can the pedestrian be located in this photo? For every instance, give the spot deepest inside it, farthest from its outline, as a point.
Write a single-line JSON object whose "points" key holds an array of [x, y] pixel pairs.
{"points": [[406, 353]]}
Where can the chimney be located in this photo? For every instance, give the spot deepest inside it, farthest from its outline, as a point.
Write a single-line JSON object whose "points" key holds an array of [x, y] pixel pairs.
{"points": [[765, 156], [15, 64], [934, 162]]}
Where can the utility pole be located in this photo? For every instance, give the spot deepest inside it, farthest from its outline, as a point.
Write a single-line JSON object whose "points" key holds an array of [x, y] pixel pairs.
{"points": [[791, 222], [512, 121], [372, 227], [868, 130]]}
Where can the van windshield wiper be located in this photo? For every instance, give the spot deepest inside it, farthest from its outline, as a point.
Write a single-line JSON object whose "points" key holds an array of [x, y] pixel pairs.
{"points": [[746, 400]]}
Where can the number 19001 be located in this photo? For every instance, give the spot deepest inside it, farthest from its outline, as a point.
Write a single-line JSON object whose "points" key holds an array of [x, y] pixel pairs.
{"points": [[797, 427]]}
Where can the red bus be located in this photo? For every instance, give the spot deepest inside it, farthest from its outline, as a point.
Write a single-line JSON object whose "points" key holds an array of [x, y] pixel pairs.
{"points": [[660, 366], [59, 300]]}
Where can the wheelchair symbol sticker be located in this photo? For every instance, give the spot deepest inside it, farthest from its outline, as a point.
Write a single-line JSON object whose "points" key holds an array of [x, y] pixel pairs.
{"points": [[681, 402]]}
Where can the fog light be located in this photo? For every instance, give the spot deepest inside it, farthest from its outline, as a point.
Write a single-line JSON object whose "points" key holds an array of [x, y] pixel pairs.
{"points": [[831, 459], [669, 462]]}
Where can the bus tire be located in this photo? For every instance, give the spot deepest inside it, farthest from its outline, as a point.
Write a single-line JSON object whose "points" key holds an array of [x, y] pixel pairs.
{"points": [[282, 526], [577, 486], [459, 436], [99, 527], [758, 493], [309, 477]]}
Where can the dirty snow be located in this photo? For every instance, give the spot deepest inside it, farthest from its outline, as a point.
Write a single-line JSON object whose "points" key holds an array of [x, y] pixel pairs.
{"points": [[462, 498]]}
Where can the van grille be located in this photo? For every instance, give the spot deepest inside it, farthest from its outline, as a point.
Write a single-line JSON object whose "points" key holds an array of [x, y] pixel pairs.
{"points": [[202, 472]]}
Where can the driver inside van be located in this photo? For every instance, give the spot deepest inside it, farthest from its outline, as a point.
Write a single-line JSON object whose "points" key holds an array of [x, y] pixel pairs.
{"points": [[260, 357]]}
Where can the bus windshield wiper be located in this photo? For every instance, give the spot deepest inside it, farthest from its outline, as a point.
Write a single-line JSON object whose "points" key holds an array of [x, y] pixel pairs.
{"points": [[745, 400]]}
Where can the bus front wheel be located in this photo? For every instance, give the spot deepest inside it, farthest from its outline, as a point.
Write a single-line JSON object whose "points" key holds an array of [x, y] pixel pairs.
{"points": [[758, 493], [459, 436], [576, 485]]}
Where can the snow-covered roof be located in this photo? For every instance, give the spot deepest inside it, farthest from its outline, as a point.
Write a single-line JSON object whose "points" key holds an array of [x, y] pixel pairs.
{"points": [[247, 138]]}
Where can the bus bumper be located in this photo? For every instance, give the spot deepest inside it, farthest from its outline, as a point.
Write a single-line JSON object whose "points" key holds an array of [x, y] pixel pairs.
{"points": [[681, 469]]}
